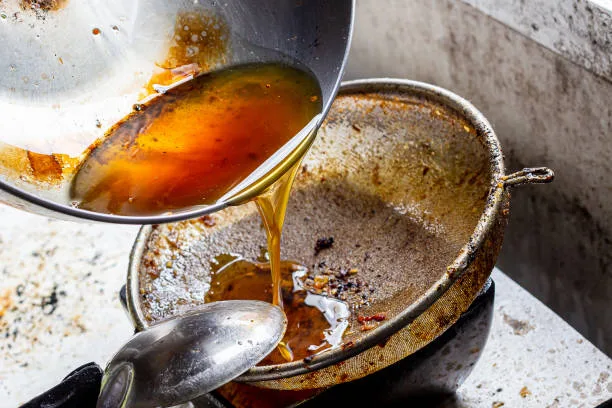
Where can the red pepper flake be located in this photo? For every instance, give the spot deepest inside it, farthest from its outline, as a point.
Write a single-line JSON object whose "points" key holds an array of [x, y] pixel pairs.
{"points": [[378, 317], [208, 221]]}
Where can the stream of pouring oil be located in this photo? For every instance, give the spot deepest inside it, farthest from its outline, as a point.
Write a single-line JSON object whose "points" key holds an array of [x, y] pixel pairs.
{"points": [[197, 141], [272, 206]]}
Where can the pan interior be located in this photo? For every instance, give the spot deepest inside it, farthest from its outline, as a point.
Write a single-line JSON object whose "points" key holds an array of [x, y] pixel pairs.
{"points": [[399, 182]]}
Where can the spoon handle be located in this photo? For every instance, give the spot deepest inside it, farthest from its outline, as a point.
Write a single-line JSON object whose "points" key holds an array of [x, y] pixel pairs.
{"points": [[116, 387]]}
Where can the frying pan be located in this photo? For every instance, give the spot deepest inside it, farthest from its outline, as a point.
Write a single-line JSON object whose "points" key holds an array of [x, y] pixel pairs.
{"points": [[409, 179], [72, 69]]}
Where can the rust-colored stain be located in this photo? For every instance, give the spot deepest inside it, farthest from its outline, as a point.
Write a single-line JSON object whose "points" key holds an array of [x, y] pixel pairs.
{"points": [[200, 43], [43, 5], [45, 167], [6, 302], [16, 162], [208, 221], [524, 392]]}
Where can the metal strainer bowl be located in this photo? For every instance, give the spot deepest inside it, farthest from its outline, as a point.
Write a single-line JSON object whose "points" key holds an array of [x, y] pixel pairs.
{"points": [[409, 179]]}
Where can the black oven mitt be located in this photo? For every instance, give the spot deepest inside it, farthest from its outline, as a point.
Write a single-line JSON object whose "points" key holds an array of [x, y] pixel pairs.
{"points": [[79, 389]]}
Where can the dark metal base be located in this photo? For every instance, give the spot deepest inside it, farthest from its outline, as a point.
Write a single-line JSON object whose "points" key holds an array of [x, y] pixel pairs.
{"points": [[425, 378]]}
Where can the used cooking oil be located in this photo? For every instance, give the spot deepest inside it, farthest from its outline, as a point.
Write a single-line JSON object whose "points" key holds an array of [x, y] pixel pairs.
{"points": [[315, 322], [194, 143], [198, 140]]}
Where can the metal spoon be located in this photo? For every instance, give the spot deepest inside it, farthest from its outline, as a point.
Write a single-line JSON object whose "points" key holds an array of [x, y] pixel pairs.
{"points": [[182, 358]]}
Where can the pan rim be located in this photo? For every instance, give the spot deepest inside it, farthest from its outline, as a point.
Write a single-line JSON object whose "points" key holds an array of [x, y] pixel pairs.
{"points": [[454, 271]]}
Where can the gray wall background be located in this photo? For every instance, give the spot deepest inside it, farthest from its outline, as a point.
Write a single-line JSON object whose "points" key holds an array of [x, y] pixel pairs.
{"points": [[547, 109]]}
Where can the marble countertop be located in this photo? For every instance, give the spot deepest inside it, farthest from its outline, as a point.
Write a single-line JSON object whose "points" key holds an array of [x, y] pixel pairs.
{"points": [[59, 309]]}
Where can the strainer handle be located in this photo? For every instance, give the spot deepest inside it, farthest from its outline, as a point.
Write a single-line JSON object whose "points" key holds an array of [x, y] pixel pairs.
{"points": [[529, 175]]}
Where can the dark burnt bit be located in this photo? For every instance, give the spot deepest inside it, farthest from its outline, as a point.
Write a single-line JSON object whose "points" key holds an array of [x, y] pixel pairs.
{"points": [[356, 128], [347, 345], [323, 243], [308, 359], [48, 303], [341, 284]]}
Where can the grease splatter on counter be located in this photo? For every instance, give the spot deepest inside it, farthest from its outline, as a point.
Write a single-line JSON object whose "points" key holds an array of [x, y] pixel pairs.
{"points": [[59, 306]]}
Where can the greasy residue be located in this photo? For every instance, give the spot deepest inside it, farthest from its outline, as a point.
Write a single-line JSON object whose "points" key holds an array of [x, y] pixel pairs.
{"points": [[199, 43]]}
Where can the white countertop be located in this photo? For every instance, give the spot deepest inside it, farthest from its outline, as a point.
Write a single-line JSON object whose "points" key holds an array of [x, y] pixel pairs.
{"points": [[532, 359]]}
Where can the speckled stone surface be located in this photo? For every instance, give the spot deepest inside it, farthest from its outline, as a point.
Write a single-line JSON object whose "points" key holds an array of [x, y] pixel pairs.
{"points": [[58, 299], [579, 30], [532, 359]]}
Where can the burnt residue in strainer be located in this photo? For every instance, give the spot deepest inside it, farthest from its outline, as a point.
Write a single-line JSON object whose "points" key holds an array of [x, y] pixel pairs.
{"points": [[407, 179]]}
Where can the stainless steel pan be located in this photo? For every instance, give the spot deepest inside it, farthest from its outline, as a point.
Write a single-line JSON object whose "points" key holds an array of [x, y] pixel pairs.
{"points": [[69, 70]]}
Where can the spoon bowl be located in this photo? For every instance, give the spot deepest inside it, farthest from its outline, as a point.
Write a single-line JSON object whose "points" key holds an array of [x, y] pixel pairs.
{"points": [[182, 358]]}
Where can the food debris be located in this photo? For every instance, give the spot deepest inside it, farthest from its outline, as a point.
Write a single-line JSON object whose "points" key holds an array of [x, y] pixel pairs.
{"points": [[43, 5], [371, 322], [323, 243], [378, 317], [208, 221], [497, 404], [320, 281], [524, 392], [341, 284]]}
